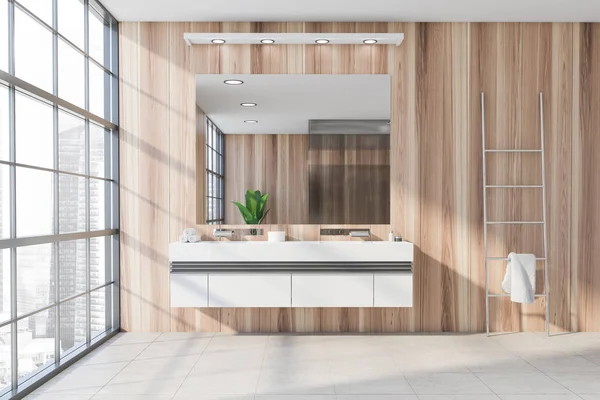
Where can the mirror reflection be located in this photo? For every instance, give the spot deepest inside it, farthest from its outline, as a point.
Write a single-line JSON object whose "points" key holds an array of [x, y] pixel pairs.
{"points": [[294, 149]]}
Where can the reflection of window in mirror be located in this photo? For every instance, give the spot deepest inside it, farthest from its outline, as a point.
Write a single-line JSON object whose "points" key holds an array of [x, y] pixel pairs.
{"points": [[214, 174]]}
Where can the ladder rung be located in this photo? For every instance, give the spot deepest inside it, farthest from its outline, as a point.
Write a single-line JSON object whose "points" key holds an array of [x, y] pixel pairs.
{"points": [[506, 258], [513, 222], [513, 186], [508, 295], [513, 151]]}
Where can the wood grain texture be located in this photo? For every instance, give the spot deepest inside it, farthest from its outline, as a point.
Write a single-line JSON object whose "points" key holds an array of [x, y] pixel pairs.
{"points": [[435, 161], [274, 164]]}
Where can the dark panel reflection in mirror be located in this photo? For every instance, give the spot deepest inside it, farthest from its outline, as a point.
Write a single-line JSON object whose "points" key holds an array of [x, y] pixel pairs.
{"points": [[349, 171]]}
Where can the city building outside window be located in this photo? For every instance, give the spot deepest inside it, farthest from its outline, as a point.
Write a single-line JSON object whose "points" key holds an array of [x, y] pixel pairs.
{"points": [[59, 238]]}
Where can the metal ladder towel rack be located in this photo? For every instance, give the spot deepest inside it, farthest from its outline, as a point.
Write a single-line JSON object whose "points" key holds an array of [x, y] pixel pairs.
{"points": [[486, 223]]}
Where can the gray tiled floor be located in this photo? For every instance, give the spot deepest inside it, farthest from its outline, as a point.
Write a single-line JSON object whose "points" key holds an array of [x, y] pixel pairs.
{"points": [[174, 366]]}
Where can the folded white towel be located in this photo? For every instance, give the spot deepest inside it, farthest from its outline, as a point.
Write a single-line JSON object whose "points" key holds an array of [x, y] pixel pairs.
{"points": [[194, 239], [183, 239], [189, 232], [519, 279]]}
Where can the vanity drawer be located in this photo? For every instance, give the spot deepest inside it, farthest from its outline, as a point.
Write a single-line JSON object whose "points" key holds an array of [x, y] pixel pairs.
{"points": [[189, 290], [393, 289], [332, 290], [249, 290]]}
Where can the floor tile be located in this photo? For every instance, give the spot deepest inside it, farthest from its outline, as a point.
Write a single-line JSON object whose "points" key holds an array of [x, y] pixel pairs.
{"points": [[196, 396], [502, 365], [579, 383], [376, 397], [58, 396], [294, 382], [155, 376], [232, 383], [134, 337], [296, 397], [568, 363], [450, 383], [132, 397], [85, 379], [372, 384], [521, 383], [155, 386], [540, 397], [165, 349], [111, 354], [199, 366], [458, 397]]}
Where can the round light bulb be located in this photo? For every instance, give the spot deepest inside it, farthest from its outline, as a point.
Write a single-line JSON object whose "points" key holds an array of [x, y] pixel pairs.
{"points": [[233, 82], [218, 41]]}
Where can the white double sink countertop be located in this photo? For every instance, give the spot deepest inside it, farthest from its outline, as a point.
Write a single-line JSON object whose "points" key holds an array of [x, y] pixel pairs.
{"points": [[351, 251]]}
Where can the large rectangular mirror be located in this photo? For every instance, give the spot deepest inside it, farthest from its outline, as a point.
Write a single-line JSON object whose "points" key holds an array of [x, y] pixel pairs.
{"points": [[318, 145]]}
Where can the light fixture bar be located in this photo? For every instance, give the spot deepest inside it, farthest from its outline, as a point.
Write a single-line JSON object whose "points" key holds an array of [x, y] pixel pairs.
{"points": [[295, 38]]}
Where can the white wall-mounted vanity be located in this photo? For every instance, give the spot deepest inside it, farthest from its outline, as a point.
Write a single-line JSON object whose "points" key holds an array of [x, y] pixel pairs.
{"points": [[291, 274]]}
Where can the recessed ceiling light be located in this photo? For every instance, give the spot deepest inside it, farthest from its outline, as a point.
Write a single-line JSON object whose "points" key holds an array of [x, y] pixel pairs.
{"points": [[321, 41], [233, 82], [218, 41], [267, 41], [248, 104], [370, 41], [251, 121]]}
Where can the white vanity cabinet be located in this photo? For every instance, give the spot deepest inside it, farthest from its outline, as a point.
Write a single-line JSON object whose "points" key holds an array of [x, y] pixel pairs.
{"points": [[249, 289], [189, 289], [291, 274], [332, 290]]}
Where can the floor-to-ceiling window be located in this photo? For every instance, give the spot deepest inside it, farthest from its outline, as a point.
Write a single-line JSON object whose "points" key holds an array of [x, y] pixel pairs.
{"points": [[215, 147], [58, 186]]}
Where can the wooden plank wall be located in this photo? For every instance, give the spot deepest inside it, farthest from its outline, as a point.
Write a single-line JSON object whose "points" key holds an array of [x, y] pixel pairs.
{"points": [[274, 164], [436, 189]]}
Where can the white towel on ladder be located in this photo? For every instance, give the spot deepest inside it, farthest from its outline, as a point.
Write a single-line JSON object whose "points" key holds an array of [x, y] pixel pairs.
{"points": [[519, 279]]}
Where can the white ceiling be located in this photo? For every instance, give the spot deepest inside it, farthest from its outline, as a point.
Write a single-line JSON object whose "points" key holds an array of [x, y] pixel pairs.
{"points": [[287, 102], [355, 10]]}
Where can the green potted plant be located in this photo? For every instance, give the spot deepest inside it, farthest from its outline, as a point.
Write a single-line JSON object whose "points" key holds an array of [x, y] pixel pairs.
{"points": [[254, 212]]}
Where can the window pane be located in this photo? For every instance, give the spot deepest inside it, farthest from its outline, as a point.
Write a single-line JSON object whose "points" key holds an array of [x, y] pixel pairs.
{"points": [[98, 31], [71, 74], [72, 268], [35, 277], [70, 20], [33, 50], [71, 143], [41, 8], [35, 342], [35, 206], [4, 123], [100, 310], [4, 290], [71, 203], [97, 204], [34, 121], [5, 359], [3, 41], [98, 141], [98, 272], [73, 325], [99, 81], [4, 201]]}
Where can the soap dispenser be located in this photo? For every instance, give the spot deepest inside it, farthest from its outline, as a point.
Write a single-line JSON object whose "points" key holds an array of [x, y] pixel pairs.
{"points": [[391, 236]]}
